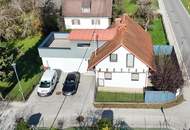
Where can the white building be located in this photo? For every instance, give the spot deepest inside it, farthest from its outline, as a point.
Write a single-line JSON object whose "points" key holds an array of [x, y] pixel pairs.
{"points": [[124, 62], [121, 56], [87, 14]]}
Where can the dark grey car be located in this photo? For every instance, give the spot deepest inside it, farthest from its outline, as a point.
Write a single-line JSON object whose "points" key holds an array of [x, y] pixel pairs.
{"points": [[71, 83]]}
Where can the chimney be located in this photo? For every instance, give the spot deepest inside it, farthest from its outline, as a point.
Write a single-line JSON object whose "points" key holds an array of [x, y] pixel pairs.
{"points": [[117, 21]]}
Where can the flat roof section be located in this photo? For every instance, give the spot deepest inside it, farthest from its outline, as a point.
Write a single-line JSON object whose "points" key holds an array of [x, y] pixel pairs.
{"points": [[60, 43]]}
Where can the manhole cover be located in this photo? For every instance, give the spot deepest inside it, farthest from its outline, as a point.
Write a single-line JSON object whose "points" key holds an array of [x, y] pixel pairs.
{"points": [[58, 92]]}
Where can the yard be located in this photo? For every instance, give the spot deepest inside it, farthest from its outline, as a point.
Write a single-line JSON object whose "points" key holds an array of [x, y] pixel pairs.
{"points": [[28, 68], [156, 31], [186, 3], [119, 97]]}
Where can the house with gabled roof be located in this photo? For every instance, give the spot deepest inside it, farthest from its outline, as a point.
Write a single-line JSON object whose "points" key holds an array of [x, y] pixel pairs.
{"points": [[120, 56], [87, 14], [124, 61]]}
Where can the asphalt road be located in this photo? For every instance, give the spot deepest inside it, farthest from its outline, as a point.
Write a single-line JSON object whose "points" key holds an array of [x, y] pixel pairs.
{"points": [[180, 21]]}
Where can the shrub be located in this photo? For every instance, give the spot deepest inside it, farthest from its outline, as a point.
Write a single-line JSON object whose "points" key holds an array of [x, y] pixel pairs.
{"points": [[104, 124], [22, 125]]}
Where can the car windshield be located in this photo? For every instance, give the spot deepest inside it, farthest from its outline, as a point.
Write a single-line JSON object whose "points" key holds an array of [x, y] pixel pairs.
{"points": [[70, 81], [44, 84]]}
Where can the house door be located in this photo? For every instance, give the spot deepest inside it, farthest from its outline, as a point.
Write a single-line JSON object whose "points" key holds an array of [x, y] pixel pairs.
{"points": [[100, 81]]}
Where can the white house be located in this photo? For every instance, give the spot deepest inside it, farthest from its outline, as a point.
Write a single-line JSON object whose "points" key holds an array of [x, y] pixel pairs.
{"points": [[87, 14], [124, 62], [120, 56]]}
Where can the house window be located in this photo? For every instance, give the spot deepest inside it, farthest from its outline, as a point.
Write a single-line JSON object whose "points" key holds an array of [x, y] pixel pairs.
{"points": [[113, 58], [75, 22], [130, 60], [135, 76], [95, 21], [107, 76], [83, 45]]}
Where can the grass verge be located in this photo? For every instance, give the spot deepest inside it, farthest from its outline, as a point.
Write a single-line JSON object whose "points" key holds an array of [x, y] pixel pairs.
{"points": [[157, 32], [118, 97], [175, 102], [186, 4], [27, 87], [28, 68]]}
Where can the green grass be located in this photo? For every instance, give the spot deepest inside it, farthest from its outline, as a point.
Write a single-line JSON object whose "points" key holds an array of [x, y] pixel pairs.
{"points": [[27, 43], [118, 97], [186, 3], [27, 87], [157, 32], [28, 67], [129, 7]]}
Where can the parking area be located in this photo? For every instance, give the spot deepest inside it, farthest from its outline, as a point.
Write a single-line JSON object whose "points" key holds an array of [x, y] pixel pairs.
{"points": [[68, 107]]}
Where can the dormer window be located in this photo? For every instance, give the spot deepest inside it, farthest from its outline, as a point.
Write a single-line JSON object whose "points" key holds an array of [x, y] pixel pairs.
{"points": [[86, 6]]}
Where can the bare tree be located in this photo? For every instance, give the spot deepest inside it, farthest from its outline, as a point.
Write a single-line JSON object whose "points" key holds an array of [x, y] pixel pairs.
{"points": [[19, 19]]}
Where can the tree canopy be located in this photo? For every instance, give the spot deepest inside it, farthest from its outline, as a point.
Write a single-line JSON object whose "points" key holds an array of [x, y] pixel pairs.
{"points": [[168, 76], [19, 19]]}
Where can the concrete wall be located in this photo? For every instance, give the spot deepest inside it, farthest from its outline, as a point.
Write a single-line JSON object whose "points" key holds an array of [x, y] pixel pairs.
{"points": [[86, 23], [66, 64], [67, 60], [122, 78]]}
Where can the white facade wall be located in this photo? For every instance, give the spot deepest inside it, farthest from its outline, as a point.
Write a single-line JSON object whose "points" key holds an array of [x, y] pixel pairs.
{"points": [[66, 64], [122, 78], [86, 23]]}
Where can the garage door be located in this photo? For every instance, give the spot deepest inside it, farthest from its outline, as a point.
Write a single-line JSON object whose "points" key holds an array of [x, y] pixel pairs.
{"points": [[66, 64]]}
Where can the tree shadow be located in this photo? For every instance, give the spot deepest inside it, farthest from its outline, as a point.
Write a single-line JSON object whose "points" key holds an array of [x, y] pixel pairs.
{"points": [[27, 65], [34, 119], [49, 15], [107, 114]]}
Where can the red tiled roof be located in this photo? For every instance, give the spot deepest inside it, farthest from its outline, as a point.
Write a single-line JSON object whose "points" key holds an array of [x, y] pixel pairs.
{"points": [[88, 34], [131, 36]]}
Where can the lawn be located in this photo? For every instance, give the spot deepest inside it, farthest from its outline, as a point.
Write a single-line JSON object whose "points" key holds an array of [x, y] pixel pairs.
{"points": [[157, 29], [157, 32], [129, 6], [186, 3], [28, 68], [119, 97]]}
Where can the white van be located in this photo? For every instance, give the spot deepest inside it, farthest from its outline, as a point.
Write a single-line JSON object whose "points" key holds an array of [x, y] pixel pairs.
{"points": [[47, 83]]}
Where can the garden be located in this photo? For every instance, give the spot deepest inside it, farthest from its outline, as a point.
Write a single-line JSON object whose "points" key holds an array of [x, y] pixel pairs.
{"points": [[21, 33], [144, 12]]}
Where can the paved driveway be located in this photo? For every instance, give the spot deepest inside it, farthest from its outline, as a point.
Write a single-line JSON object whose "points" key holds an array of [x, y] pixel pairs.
{"points": [[59, 107]]}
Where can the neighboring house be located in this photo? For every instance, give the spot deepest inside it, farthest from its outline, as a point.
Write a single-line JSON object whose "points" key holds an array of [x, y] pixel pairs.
{"points": [[87, 14], [120, 56]]}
